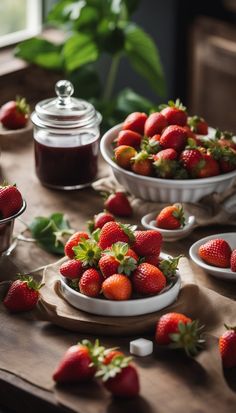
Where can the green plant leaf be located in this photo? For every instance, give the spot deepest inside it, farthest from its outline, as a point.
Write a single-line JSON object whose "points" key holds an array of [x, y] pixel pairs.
{"points": [[131, 5], [79, 50], [144, 57], [41, 52], [50, 232], [128, 101], [86, 82]]}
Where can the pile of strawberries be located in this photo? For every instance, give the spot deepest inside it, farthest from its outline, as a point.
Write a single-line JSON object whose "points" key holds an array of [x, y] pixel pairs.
{"points": [[169, 144], [116, 261], [217, 252]]}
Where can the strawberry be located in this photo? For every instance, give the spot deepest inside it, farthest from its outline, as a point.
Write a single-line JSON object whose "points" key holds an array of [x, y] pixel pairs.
{"points": [[135, 122], [198, 125], [175, 113], [123, 155], [118, 259], [174, 137], [228, 160], [99, 220], [148, 279], [211, 167], [79, 363], [117, 287], [192, 160], [191, 134], [227, 347], [147, 243], [90, 283], [151, 145], [171, 217], [179, 331], [165, 164], [22, 295], [120, 377], [152, 259], [73, 241], [88, 252], [72, 269], [111, 355], [155, 124], [14, 114], [141, 164], [216, 252], [10, 201], [118, 204], [129, 138], [113, 232], [233, 261]]}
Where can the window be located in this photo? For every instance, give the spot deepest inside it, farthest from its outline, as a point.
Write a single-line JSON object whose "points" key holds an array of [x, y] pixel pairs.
{"points": [[19, 20]]}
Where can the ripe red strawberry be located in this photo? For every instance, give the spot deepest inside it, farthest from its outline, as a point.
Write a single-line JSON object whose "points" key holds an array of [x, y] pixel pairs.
{"points": [[227, 347], [100, 220], [147, 243], [129, 138], [211, 167], [174, 137], [72, 269], [14, 114], [118, 259], [148, 279], [175, 113], [152, 259], [73, 241], [125, 382], [79, 363], [111, 355], [155, 124], [198, 125], [233, 261], [165, 163], [91, 282], [141, 164], [118, 204], [135, 122], [113, 232], [216, 252], [117, 287], [228, 160], [171, 217], [179, 331], [22, 295], [10, 201], [192, 160], [191, 135], [123, 155], [151, 145]]}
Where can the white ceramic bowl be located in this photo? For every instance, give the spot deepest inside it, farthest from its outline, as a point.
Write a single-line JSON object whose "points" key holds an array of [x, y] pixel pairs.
{"points": [[148, 221], [164, 190], [125, 308], [224, 273]]}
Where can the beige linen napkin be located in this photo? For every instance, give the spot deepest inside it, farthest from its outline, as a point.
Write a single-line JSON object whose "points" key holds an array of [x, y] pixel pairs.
{"points": [[212, 209]]}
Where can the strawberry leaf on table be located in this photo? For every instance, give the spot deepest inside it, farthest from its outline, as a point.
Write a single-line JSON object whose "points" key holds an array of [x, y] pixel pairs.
{"points": [[51, 232]]}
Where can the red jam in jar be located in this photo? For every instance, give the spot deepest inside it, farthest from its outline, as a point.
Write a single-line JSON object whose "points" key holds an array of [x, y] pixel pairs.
{"points": [[66, 140]]}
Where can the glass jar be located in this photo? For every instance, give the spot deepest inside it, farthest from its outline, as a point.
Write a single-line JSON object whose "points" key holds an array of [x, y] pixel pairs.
{"points": [[66, 140]]}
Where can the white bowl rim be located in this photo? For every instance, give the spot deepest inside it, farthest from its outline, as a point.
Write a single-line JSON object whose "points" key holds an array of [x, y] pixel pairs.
{"points": [[119, 304], [201, 263], [204, 181], [189, 225]]}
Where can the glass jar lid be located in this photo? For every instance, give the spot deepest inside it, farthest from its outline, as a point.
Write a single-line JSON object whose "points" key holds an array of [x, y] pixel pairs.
{"points": [[65, 111]]}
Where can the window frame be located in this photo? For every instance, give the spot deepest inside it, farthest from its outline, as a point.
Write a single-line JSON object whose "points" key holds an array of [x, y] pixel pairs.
{"points": [[34, 25]]}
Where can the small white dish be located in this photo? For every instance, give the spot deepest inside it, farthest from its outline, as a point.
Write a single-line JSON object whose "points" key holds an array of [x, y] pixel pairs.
{"points": [[149, 222], [223, 273], [125, 308]]}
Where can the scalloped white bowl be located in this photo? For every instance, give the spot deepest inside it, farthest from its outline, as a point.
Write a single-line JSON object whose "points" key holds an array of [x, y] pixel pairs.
{"points": [[124, 308], [164, 190]]}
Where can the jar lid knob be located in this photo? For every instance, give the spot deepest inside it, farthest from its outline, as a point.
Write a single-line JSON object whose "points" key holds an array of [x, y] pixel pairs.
{"points": [[64, 89]]}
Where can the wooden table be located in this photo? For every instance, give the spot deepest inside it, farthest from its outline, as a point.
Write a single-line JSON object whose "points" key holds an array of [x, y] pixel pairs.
{"points": [[44, 339]]}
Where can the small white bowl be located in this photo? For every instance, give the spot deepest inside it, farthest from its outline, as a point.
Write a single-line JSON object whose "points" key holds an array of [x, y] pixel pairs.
{"points": [[15, 138], [164, 190], [224, 273], [149, 222], [124, 308]]}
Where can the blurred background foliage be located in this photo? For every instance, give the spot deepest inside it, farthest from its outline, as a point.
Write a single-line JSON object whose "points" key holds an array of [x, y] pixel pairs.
{"points": [[99, 35]]}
